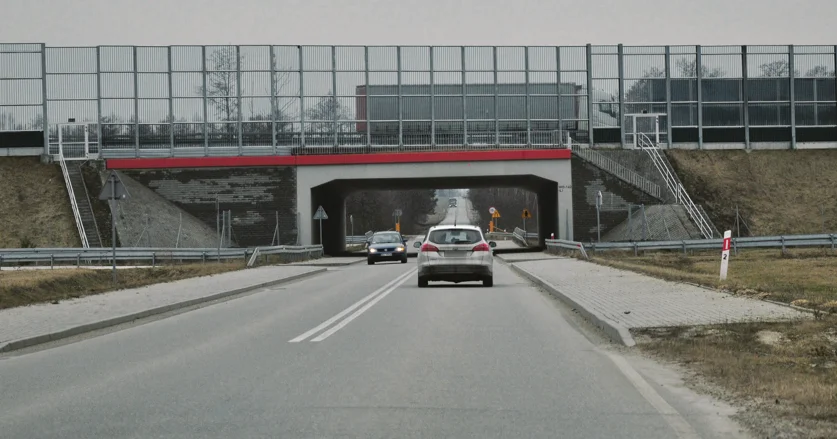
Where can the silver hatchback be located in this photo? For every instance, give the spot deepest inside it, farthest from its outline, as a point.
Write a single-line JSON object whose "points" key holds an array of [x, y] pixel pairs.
{"points": [[455, 254]]}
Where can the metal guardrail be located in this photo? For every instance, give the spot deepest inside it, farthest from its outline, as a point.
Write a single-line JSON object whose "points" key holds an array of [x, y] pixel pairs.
{"points": [[785, 241], [152, 255], [567, 245], [522, 236]]}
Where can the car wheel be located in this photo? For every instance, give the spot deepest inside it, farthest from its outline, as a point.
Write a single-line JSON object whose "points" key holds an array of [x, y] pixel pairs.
{"points": [[404, 260], [370, 262], [488, 281], [422, 282]]}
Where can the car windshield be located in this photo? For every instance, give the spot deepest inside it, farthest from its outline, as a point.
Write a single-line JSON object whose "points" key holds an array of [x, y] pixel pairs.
{"points": [[384, 238], [455, 236]]}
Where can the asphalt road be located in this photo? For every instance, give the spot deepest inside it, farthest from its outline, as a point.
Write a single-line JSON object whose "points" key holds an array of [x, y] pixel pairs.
{"points": [[359, 352]]}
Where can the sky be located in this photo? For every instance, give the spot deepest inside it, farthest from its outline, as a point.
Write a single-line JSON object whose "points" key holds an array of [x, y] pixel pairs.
{"points": [[417, 22]]}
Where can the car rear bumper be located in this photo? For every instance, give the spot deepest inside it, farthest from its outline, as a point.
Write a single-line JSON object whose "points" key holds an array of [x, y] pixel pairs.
{"points": [[454, 273]]}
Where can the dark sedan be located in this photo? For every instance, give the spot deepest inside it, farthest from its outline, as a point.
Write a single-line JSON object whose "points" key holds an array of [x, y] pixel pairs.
{"points": [[386, 246]]}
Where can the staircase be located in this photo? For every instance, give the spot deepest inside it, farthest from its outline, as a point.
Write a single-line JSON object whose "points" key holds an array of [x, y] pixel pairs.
{"points": [[614, 168], [675, 186], [80, 202], [663, 222]]}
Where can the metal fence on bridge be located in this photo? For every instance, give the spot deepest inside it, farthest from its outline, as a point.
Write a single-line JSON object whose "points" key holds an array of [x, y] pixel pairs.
{"points": [[162, 101]]}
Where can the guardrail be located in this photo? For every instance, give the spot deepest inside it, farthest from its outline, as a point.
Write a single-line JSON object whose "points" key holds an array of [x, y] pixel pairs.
{"points": [[523, 236], [782, 241], [152, 255], [567, 245]]}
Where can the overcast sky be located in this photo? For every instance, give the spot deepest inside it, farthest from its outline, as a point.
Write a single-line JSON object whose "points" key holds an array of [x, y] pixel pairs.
{"points": [[419, 22]]}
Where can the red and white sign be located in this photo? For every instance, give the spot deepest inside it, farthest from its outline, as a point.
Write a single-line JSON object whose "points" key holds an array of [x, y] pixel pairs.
{"points": [[491, 210], [725, 254]]}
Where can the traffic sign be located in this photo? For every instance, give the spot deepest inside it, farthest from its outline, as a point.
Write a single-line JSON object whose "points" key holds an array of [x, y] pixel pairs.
{"points": [[526, 213], [491, 210], [320, 214], [496, 214], [113, 189], [397, 212]]}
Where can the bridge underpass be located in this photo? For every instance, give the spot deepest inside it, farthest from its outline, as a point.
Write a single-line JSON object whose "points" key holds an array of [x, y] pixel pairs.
{"points": [[328, 186]]}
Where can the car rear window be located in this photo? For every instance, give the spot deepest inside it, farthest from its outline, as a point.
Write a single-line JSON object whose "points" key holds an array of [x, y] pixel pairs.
{"points": [[455, 236]]}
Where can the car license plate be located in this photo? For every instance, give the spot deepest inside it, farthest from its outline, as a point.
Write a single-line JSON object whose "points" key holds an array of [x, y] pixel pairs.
{"points": [[454, 254], [386, 254]]}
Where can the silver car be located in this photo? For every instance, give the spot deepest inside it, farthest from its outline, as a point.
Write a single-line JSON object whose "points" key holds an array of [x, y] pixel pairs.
{"points": [[455, 254]]}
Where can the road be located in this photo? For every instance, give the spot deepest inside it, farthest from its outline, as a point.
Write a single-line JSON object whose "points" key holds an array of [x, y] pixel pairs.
{"points": [[358, 352]]}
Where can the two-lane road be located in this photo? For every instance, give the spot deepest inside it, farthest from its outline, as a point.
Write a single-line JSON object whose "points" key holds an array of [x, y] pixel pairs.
{"points": [[359, 352]]}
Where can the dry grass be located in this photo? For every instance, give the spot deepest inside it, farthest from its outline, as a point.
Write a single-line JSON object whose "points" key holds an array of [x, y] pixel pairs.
{"points": [[34, 207], [26, 287], [788, 373], [799, 275], [778, 192]]}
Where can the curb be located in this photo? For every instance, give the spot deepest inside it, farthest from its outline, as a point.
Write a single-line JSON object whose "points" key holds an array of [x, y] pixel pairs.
{"points": [[616, 332], [89, 327], [322, 264]]}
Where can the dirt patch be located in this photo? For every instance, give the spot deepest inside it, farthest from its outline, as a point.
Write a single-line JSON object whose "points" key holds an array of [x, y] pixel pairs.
{"points": [[801, 277], [783, 374], [34, 206], [26, 287], [777, 192]]}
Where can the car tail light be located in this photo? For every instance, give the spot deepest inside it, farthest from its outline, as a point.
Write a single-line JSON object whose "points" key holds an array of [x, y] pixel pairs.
{"points": [[482, 247], [429, 248]]}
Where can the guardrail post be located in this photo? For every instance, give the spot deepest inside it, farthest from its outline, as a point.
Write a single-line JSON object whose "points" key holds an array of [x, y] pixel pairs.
{"points": [[734, 247], [153, 259], [783, 244], [684, 248], [636, 249], [245, 256], [1, 256], [832, 247], [78, 260]]}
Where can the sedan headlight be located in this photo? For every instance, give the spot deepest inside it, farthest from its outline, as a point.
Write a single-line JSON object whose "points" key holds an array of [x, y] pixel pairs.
{"points": [[399, 249], [372, 250]]}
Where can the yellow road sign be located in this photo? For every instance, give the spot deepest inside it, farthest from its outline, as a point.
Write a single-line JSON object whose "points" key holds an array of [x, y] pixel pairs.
{"points": [[496, 214], [526, 213]]}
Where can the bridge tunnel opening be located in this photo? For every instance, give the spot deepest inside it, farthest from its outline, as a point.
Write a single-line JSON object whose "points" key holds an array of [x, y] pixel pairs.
{"points": [[332, 196]]}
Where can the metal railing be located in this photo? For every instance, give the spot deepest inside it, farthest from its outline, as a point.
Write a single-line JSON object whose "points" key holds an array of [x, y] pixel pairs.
{"points": [[152, 255], [566, 245], [523, 236], [612, 167], [780, 241], [76, 215], [676, 186]]}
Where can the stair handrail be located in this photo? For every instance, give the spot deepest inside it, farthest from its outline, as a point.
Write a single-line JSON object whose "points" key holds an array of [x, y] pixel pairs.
{"points": [[73, 204], [92, 213], [612, 167], [675, 186]]}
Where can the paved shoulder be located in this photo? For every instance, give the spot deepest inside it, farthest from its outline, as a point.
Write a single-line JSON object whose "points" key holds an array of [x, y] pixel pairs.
{"points": [[634, 300], [41, 323]]}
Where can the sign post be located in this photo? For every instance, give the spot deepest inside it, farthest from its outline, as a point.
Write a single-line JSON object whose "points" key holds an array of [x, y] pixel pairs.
{"points": [[725, 254], [598, 218], [526, 214], [352, 223], [321, 215], [397, 215], [495, 214], [112, 192]]}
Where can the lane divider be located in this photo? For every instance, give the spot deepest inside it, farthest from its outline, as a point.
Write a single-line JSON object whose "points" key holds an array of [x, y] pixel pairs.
{"points": [[372, 298]]}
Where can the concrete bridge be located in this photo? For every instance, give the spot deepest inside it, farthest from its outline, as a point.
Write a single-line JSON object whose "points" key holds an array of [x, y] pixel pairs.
{"points": [[326, 180]]}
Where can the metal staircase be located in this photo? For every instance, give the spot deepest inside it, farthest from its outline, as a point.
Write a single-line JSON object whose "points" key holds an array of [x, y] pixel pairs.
{"points": [[80, 203], [614, 168], [675, 186]]}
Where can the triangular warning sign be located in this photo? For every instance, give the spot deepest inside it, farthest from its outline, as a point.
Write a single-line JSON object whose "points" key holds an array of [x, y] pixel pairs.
{"points": [[320, 214]]}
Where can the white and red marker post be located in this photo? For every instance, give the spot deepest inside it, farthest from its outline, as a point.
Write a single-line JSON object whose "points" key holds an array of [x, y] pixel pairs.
{"points": [[725, 254]]}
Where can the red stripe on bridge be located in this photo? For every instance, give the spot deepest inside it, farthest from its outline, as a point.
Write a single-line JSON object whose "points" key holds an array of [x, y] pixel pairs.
{"points": [[338, 159]]}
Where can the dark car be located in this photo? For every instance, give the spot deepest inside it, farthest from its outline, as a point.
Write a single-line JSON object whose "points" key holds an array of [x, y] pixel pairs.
{"points": [[386, 246]]}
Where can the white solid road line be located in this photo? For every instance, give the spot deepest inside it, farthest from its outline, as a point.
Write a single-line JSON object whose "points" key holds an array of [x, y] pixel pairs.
{"points": [[674, 419], [386, 288]]}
